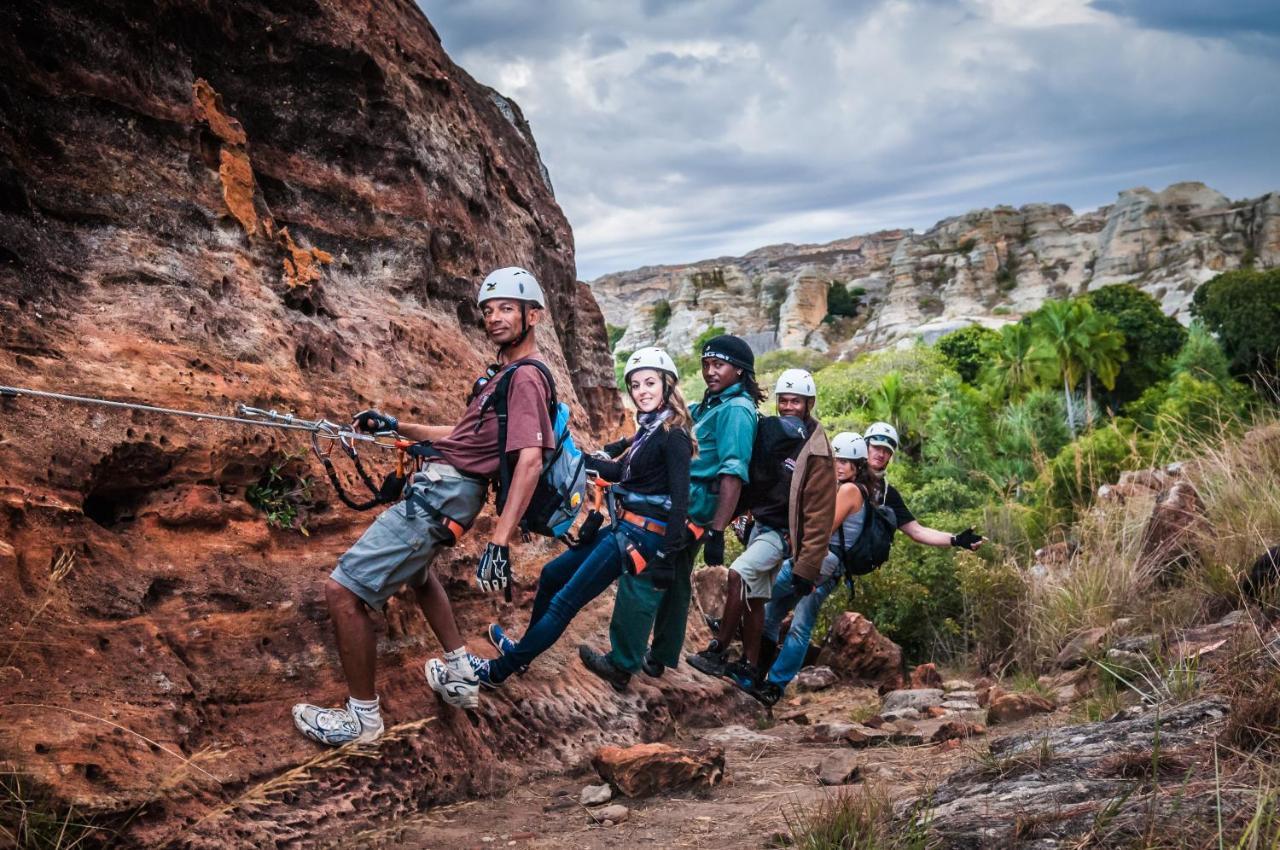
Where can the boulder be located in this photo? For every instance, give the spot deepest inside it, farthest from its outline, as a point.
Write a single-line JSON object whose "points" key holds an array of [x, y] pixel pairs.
{"points": [[1171, 539], [916, 698], [856, 651], [709, 585], [926, 676], [1085, 645], [610, 815], [1007, 708], [840, 767], [645, 769], [1069, 685], [900, 714], [814, 679]]}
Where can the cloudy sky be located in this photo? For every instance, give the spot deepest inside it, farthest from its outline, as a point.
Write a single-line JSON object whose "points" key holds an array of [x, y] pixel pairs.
{"points": [[677, 131]]}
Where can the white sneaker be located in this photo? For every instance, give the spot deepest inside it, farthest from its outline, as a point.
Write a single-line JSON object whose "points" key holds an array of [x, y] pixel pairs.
{"points": [[456, 689], [334, 726]]}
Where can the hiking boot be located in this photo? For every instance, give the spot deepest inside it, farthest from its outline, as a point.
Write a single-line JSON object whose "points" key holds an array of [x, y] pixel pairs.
{"points": [[480, 667], [600, 664], [710, 661], [765, 692], [503, 644], [652, 667], [334, 726], [742, 673], [454, 688]]}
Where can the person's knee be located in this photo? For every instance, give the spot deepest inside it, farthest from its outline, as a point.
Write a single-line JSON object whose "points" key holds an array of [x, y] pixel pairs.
{"points": [[340, 599]]}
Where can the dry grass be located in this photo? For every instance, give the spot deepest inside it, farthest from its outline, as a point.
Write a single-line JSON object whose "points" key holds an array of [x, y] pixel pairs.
{"points": [[58, 570], [856, 820]]}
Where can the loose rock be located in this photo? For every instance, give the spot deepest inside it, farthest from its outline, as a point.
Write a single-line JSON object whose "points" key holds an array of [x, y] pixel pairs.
{"points": [[926, 676], [610, 815], [596, 795], [913, 698], [856, 651], [840, 768], [1010, 707], [645, 769], [957, 685], [814, 678], [1081, 648]]}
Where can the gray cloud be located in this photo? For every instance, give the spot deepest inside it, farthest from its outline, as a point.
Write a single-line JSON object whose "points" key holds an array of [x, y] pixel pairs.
{"points": [[679, 131]]}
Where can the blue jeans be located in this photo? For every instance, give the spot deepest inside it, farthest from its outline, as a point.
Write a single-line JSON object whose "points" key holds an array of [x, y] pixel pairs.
{"points": [[565, 587], [792, 651]]}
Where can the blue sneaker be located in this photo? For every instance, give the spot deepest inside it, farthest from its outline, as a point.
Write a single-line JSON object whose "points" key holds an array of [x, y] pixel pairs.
{"points": [[480, 667], [503, 644]]}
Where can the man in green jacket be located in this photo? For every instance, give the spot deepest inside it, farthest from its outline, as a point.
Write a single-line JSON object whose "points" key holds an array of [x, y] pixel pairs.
{"points": [[725, 429]]}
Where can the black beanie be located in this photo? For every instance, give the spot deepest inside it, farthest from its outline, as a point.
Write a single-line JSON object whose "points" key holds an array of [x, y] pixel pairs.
{"points": [[731, 349]]}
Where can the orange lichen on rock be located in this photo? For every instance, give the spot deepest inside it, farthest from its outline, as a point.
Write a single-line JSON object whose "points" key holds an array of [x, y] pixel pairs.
{"points": [[301, 265], [237, 187], [208, 107]]}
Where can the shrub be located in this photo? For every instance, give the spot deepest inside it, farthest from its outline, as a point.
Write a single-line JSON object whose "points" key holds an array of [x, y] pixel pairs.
{"points": [[1242, 308], [615, 333], [791, 358], [703, 338], [1090, 461], [968, 349], [1151, 339], [661, 316], [840, 302]]}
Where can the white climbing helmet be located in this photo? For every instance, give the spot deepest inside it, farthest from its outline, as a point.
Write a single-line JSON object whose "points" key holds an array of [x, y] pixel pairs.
{"points": [[884, 434], [651, 358], [796, 382], [512, 282], [848, 445]]}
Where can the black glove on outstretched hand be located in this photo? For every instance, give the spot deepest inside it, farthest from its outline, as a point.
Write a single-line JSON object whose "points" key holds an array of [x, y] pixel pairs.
{"points": [[494, 571], [660, 571], [801, 586], [967, 539], [713, 549], [372, 422]]}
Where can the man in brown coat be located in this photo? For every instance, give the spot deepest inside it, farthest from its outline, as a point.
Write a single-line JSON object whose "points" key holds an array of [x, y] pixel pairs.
{"points": [[791, 507]]}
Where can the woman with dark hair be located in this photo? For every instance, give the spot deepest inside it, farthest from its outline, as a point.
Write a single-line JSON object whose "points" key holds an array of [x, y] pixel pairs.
{"points": [[654, 471], [856, 487]]}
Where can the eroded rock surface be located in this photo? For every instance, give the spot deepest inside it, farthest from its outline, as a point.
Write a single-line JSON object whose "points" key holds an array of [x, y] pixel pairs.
{"points": [[288, 206]]}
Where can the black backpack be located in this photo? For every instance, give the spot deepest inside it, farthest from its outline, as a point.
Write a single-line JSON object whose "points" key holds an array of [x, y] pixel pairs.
{"points": [[871, 549], [562, 484], [778, 442]]}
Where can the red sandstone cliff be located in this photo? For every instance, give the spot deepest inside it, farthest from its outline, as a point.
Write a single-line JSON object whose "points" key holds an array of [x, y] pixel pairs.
{"points": [[287, 205]]}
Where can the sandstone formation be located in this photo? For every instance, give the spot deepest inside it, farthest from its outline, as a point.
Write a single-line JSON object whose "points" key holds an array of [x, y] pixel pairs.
{"points": [[290, 206], [986, 267]]}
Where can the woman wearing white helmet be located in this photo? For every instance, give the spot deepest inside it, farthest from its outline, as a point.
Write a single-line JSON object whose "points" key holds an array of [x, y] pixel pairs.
{"points": [[853, 482], [653, 473]]}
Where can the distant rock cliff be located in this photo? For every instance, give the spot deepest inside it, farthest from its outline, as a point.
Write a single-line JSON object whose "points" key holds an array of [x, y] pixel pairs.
{"points": [[985, 266]]}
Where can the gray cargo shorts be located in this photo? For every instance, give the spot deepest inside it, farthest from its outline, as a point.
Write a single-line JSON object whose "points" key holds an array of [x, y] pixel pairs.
{"points": [[760, 562], [403, 541]]}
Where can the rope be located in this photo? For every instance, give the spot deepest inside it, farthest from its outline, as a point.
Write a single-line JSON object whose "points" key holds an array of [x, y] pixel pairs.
{"points": [[269, 419]]}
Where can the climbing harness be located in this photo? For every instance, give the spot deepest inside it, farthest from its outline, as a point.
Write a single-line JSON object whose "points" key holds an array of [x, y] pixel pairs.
{"points": [[408, 453]]}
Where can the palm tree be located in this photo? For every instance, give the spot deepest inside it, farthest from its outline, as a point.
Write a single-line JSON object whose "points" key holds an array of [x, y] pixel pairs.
{"points": [[1103, 356], [894, 401], [1062, 338], [1015, 366]]}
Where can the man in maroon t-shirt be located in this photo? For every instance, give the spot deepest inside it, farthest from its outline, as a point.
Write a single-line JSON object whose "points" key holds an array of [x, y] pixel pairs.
{"points": [[445, 495]]}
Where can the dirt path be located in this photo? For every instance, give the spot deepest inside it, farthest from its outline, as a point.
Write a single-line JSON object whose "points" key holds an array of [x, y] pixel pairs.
{"points": [[769, 772]]}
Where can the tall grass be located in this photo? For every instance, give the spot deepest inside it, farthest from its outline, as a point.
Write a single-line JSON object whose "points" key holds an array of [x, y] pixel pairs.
{"points": [[857, 820]]}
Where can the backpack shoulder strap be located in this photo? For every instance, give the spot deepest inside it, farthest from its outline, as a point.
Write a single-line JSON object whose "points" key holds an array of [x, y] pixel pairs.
{"points": [[497, 401]]}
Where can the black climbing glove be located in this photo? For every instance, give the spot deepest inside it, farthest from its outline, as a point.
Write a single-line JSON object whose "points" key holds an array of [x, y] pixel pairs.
{"points": [[660, 571], [713, 548], [494, 572], [967, 539], [801, 586], [372, 422]]}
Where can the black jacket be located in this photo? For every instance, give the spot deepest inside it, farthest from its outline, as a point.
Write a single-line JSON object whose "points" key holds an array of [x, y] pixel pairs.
{"points": [[660, 469]]}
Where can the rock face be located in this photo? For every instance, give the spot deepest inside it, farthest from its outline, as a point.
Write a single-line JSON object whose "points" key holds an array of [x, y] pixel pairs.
{"points": [[1047, 789], [986, 267], [646, 769], [856, 651], [290, 206]]}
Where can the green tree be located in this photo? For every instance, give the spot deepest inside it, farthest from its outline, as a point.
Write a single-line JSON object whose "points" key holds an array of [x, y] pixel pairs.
{"points": [[661, 316], [841, 302], [1242, 308], [705, 337], [1102, 357], [968, 349], [1078, 344], [1201, 357], [1015, 365], [1151, 339]]}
